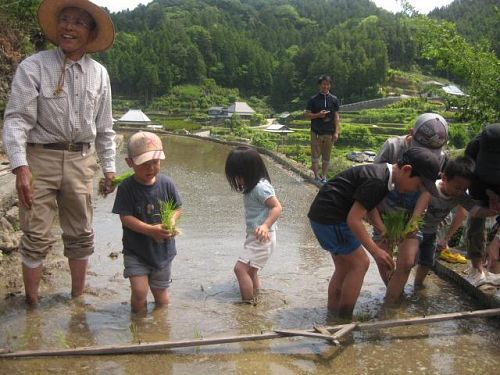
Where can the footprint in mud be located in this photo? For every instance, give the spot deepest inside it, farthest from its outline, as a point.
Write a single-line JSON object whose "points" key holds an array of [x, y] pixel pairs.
{"points": [[100, 292], [266, 299]]}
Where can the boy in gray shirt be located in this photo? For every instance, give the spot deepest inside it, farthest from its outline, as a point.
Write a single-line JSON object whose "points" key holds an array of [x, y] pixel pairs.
{"points": [[452, 187]]}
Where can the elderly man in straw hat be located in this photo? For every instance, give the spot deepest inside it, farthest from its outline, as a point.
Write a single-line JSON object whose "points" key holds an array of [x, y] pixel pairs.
{"points": [[58, 112]]}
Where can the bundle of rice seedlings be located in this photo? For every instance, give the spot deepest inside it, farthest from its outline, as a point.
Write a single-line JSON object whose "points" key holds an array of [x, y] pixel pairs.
{"points": [[167, 210], [116, 181], [398, 224], [120, 178]]}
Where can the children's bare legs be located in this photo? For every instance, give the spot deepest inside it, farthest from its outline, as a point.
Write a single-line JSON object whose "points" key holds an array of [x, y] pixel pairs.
{"points": [[247, 279], [346, 282], [421, 274], [161, 296], [139, 286], [405, 262], [493, 254]]}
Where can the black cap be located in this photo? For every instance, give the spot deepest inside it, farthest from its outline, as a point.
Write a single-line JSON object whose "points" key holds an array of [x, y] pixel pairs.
{"points": [[426, 165], [488, 158]]}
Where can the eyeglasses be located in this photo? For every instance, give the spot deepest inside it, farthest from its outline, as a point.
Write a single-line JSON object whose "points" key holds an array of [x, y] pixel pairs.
{"points": [[75, 22]]}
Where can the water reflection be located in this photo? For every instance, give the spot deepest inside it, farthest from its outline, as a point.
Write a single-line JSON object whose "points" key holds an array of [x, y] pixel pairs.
{"points": [[204, 293]]}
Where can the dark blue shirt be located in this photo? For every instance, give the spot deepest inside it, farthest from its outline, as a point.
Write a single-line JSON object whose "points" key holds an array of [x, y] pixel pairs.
{"points": [[142, 202], [318, 103]]}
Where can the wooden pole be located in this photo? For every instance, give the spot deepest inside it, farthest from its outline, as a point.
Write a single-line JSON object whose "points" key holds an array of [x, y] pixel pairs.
{"points": [[338, 331], [429, 319], [152, 347], [348, 328]]}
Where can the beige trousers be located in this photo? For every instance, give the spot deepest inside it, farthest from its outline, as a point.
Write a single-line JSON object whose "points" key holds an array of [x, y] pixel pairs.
{"points": [[62, 183], [321, 146]]}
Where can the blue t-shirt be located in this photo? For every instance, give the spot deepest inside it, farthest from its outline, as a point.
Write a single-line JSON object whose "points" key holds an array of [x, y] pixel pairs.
{"points": [[256, 211], [142, 202]]}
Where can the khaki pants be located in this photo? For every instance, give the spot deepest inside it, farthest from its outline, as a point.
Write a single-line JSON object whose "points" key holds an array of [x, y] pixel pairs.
{"points": [[475, 241], [321, 145], [62, 183]]}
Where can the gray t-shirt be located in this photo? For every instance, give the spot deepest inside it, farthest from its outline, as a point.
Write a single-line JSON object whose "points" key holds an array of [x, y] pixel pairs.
{"points": [[256, 210], [392, 150], [440, 207]]}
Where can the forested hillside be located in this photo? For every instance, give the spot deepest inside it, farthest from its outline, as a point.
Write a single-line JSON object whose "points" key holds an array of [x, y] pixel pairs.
{"points": [[269, 48], [273, 50], [477, 20]]}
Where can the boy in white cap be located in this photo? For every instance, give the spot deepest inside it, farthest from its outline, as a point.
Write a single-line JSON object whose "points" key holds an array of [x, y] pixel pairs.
{"points": [[148, 248], [59, 111]]}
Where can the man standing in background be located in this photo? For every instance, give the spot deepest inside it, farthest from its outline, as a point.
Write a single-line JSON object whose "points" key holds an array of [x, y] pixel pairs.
{"points": [[323, 111]]}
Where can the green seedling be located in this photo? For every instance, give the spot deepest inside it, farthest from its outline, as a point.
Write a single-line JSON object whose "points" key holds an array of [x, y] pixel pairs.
{"points": [[398, 225], [167, 211], [116, 181], [134, 330]]}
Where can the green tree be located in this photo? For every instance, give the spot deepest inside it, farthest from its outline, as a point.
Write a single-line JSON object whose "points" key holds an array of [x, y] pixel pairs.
{"points": [[478, 67]]}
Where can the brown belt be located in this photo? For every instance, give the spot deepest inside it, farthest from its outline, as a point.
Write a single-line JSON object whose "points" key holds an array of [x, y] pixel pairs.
{"points": [[65, 146]]}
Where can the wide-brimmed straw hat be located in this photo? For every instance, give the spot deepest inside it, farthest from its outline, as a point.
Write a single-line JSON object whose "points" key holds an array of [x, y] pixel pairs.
{"points": [[48, 13]]}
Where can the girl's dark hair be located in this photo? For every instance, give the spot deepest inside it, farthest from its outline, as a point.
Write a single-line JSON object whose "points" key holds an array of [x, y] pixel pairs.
{"points": [[461, 166], [246, 163]]}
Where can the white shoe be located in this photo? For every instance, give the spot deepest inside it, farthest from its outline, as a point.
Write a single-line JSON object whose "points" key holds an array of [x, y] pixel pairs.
{"points": [[492, 278], [476, 277]]}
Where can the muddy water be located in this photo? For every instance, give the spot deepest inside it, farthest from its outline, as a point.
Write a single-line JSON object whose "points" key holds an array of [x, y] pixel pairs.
{"points": [[205, 298]]}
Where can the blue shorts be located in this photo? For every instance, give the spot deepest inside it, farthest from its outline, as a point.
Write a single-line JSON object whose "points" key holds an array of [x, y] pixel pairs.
{"points": [[427, 250], [335, 238]]}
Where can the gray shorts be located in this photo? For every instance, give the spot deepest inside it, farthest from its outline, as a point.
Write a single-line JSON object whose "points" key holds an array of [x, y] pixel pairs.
{"points": [[158, 278]]}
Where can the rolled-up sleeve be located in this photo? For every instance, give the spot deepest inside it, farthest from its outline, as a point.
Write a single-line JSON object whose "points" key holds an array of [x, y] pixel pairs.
{"points": [[21, 112], [105, 135]]}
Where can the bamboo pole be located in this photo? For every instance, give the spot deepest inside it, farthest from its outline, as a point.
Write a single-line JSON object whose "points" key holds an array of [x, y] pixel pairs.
{"points": [[338, 331], [152, 347], [429, 319], [348, 328], [292, 332]]}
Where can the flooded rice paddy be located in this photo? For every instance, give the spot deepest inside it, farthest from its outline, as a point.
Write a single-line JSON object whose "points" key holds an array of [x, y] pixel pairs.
{"points": [[205, 298]]}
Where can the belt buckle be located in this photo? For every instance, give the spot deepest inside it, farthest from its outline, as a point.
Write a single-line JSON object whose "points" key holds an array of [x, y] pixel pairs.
{"points": [[72, 146]]}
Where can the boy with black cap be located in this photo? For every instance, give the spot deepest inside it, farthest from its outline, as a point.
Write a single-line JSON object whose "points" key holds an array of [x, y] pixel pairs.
{"points": [[338, 211]]}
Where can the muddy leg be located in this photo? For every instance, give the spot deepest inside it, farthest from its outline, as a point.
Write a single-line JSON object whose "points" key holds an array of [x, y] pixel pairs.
{"points": [[161, 296], [78, 268], [357, 264], [139, 286], [245, 280], [421, 274], [405, 262], [31, 278]]}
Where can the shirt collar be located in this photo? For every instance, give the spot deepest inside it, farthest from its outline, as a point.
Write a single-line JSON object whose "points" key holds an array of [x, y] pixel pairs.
{"points": [[390, 184], [82, 63]]}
